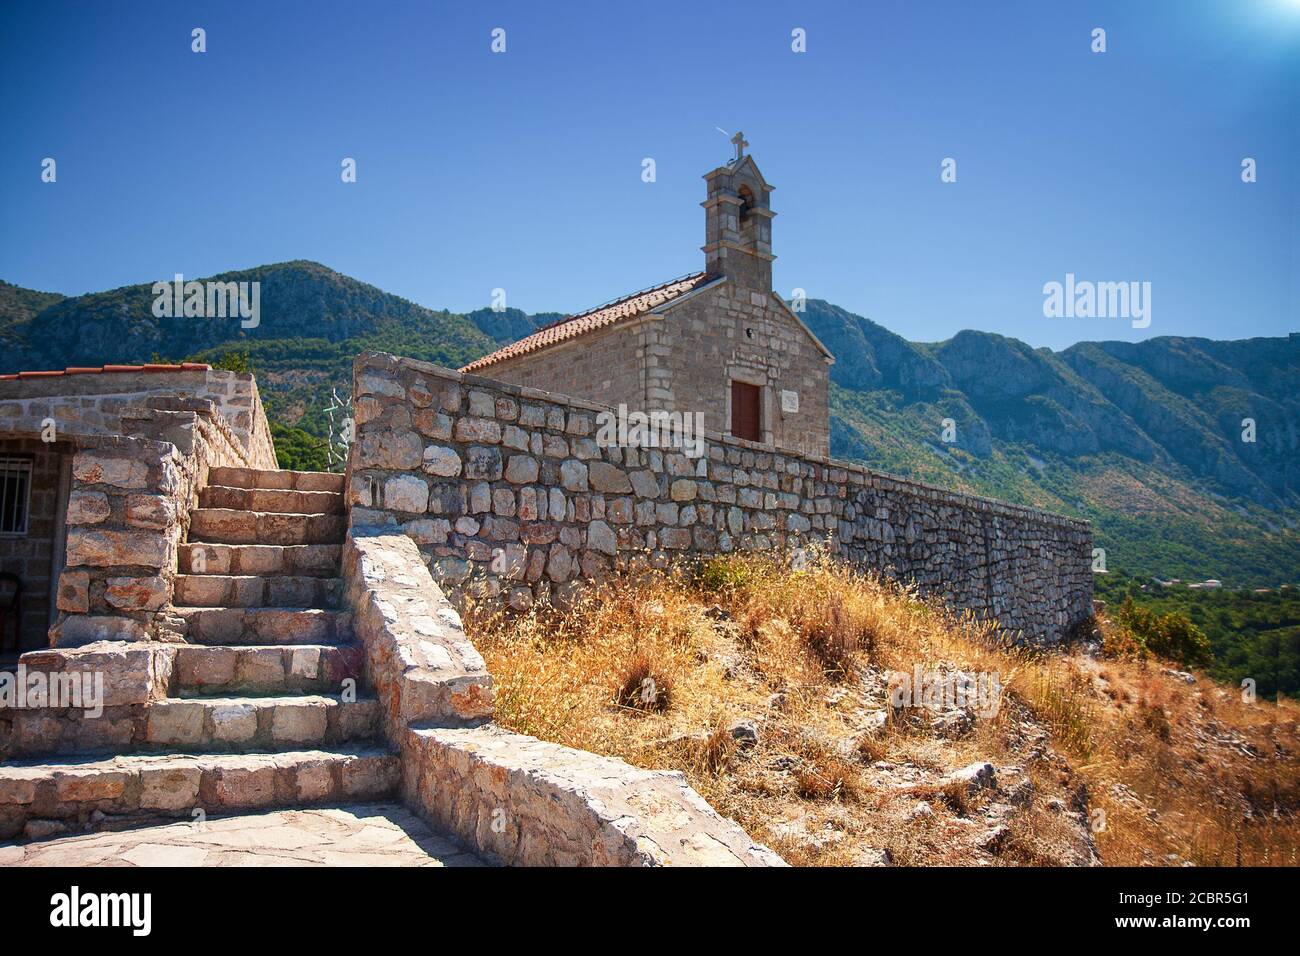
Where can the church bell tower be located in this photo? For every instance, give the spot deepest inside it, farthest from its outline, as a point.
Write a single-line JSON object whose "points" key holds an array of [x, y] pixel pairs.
{"points": [[738, 222]]}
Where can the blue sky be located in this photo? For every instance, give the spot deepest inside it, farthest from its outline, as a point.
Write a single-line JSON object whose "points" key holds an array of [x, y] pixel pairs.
{"points": [[522, 170]]}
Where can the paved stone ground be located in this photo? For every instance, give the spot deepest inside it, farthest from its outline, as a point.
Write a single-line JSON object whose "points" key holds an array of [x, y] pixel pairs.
{"points": [[373, 834]]}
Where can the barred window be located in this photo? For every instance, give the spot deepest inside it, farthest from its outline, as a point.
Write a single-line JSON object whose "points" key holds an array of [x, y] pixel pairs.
{"points": [[15, 494]]}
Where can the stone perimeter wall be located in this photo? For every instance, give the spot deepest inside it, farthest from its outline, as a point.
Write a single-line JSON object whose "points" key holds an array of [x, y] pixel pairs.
{"points": [[509, 496]]}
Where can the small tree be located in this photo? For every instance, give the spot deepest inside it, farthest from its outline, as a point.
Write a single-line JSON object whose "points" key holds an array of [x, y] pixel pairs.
{"points": [[1172, 636]]}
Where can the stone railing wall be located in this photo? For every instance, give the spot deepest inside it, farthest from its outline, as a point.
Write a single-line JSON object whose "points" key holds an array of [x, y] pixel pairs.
{"points": [[129, 403], [510, 496], [123, 527], [133, 674], [513, 798], [418, 659]]}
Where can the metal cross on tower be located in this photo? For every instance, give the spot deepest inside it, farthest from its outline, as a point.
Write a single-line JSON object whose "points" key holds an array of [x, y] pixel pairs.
{"points": [[740, 144]]}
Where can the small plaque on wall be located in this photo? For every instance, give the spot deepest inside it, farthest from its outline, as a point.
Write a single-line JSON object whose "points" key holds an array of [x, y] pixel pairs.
{"points": [[789, 401]]}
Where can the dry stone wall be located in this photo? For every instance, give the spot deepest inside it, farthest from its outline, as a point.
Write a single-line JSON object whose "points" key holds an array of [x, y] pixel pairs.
{"points": [[509, 494]]}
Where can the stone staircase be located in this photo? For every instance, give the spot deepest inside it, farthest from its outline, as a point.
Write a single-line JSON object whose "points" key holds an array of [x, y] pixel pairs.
{"points": [[265, 707]]}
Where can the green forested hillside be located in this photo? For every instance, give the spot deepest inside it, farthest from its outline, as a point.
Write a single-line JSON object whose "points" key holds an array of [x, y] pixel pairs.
{"points": [[313, 322], [1252, 634]]}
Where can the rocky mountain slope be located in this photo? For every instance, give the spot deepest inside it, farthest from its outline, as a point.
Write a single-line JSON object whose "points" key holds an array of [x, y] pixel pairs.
{"points": [[1145, 439]]}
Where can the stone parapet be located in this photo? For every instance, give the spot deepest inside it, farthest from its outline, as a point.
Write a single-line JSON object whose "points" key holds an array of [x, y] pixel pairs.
{"points": [[144, 404], [525, 802], [418, 659]]}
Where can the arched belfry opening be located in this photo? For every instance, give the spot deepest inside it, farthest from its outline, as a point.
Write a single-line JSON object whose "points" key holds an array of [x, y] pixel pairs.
{"points": [[746, 204]]}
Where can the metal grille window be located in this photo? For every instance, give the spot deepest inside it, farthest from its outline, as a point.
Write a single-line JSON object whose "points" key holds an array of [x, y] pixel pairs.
{"points": [[15, 494]]}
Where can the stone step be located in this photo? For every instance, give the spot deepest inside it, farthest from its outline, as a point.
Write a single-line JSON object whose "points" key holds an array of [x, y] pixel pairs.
{"points": [[265, 625], [272, 500], [375, 833], [258, 723], [276, 480], [316, 560], [253, 590], [230, 526], [265, 669], [143, 786]]}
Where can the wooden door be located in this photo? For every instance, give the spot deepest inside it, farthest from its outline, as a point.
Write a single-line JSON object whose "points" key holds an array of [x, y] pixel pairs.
{"points": [[746, 411]]}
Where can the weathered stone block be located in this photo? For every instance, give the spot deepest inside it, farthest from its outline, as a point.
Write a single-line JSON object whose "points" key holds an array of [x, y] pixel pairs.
{"points": [[97, 469], [406, 493], [483, 462], [683, 489], [88, 507], [109, 548], [74, 592], [137, 594], [169, 787], [300, 723], [234, 723], [483, 430], [150, 511], [573, 475], [441, 461], [521, 469], [605, 478], [175, 722]]}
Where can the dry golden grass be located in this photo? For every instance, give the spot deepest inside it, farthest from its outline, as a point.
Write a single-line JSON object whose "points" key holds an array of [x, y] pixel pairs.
{"points": [[656, 668]]}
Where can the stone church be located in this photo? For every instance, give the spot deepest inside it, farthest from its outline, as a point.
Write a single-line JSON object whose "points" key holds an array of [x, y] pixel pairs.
{"points": [[719, 342]]}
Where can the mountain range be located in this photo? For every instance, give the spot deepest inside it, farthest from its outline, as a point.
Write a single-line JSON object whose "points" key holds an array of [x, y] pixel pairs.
{"points": [[1148, 439]]}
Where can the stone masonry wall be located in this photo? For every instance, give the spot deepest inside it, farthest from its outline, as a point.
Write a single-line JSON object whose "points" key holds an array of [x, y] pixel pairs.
{"points": [[111, 403], [602, 366], [123, 534], [508, 494]]}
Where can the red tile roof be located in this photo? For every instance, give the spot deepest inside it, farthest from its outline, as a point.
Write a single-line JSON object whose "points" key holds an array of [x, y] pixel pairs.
{"points": [[598, 318], [83, 370]]}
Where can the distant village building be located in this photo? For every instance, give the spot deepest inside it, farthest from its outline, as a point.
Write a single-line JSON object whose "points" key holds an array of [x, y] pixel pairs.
{"points": [[719, 342]]}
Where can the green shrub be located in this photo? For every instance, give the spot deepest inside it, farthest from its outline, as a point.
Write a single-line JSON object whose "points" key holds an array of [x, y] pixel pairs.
{"points": [[724, 574], [1172, 636]]}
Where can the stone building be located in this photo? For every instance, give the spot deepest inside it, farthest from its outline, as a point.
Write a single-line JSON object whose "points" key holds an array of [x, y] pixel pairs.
{"points": [[718, 342], [58, 502]]}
